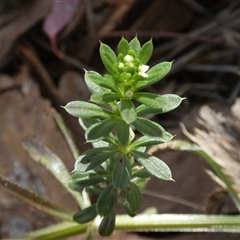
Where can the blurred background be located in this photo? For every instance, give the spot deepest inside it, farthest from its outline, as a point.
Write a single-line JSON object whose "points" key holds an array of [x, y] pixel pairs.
{"points": [[44, 47]]}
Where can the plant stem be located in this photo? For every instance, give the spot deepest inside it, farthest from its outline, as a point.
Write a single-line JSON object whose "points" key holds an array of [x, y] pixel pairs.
{"points": [[179, 223], [148, 223], [65, 131]]}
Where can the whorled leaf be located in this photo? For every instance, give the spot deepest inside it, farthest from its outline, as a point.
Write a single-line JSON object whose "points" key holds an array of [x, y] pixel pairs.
{"points": [[86, 110], [109, 59], [100, 80], [133, 197], [148, 141], [150, 128], [164, 103], [128, 111], [107, 225], [107, 200], [135, 45], [155, 74], [153, 164], [100, 130], [86, 215], [122, 132], [123, 46], [92, 160], [146, 52], [121, 174]]}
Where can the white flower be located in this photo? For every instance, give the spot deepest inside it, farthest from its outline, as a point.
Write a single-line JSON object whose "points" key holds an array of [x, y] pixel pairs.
{"points": [[128, 58], [142, 69]]}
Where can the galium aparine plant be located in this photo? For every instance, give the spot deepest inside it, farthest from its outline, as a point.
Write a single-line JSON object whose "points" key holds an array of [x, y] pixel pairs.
{"points": [[117, 168]]}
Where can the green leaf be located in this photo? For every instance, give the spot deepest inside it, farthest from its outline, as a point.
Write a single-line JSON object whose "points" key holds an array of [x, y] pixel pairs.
{"points": [[86, 110], [153, 164], [107, 201], [165, 103], [122, 130], [45, 157], [100, 81], [93, 153], [134, 198], [87, 123], [128, 111], [86, 215], [121, 172], [94, 88], [135, 45], [123, 46], [109, 59], [88, 181], [155, 74], [91, 160], [148, 141], [145, 52], [126, 208], [100, 130], [150, 128], [107, 225], [109, 97]]}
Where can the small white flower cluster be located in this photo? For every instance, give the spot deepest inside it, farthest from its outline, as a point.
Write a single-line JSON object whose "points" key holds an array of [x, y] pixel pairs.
{"points": [[129, 60]]}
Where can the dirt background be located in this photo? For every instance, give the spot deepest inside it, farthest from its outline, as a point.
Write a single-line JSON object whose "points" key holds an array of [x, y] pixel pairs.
{"points": [[44, 47]]}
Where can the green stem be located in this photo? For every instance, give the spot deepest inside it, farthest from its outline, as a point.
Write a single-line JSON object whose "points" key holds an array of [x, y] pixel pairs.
{"points": [[67, 135], [144, 222], [83, 199], [179, 222], [59, 231]]}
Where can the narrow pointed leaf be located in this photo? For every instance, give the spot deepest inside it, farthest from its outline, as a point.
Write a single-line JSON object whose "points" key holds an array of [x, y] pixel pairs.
{"points": [[153, 164], [107, 225], [128, 111], [121, 172], [107, 201], [94, 88], [155, 74], [100, 130], [90, 181], [135, 45], [100, 81], [86, 215], [124, 204], [109, 59], [95, 161], [146, 52], [93, 153], [165, 103], [86, 110], [104, 97], [134, 198], [150, 128], [123, 46], [148, 141], [122, 130]]}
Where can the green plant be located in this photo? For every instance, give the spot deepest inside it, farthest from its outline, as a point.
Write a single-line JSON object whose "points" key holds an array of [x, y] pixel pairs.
{"points": [[117, 105], [118, 163]]}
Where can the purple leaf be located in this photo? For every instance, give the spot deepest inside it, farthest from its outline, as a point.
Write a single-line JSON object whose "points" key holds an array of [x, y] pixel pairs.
{"points": [[62, 12]]}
